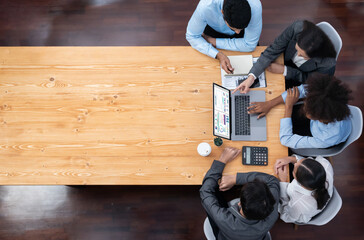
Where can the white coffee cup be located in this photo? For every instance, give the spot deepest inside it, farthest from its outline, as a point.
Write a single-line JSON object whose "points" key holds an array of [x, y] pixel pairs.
{"points": [[204, 149]]}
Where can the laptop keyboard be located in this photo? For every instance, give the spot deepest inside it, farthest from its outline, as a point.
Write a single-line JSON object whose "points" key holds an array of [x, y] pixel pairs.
{"points": [[242, 118]]}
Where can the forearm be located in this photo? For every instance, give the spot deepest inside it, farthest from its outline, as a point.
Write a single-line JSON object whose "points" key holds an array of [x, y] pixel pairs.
{"points": [[215, 170], [288, 111], [201, 45], [237, 44], [210, 181], [292, 159], [275, 101]]}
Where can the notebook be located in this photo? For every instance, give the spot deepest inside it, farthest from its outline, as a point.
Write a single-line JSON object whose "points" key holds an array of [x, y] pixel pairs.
{"points": [[241, 64]]}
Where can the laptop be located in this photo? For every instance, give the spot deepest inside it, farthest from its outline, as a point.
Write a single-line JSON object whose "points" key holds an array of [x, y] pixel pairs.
{"points": [[231, 119]]}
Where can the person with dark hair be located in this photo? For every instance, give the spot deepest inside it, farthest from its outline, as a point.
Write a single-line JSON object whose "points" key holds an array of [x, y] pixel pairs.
{"points": [[251, 217], [306, 49], [321, 121], [309, 191], [225, 24]]}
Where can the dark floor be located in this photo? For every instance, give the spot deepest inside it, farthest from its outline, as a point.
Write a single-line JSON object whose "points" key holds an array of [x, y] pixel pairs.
{"points": [[163, 212]]}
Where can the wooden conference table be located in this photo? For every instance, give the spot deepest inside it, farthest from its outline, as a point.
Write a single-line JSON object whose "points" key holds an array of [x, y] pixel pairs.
{"points": [[114, 115]]}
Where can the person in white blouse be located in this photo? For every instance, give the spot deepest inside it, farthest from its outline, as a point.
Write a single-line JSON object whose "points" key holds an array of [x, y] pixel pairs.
{"points": [[309, 191]]}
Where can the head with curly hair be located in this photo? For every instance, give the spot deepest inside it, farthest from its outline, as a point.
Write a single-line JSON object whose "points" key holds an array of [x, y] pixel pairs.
{"points": [[326, 98]]}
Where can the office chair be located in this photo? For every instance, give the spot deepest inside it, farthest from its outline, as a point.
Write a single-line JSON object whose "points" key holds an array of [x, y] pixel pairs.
{"points": [[356, 130], [209, 234], [329, 212], [207, 229], [333, 36]]}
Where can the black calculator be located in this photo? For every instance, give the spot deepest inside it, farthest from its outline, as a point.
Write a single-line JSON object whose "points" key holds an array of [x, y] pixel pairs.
{"points": [[255, 155]]}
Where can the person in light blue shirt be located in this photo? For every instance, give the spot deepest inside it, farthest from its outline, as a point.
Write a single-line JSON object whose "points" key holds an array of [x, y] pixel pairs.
{"points": [[324, 110], [233, 25]]}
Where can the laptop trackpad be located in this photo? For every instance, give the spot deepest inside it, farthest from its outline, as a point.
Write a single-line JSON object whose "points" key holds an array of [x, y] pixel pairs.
{"points": [[257, 122]]}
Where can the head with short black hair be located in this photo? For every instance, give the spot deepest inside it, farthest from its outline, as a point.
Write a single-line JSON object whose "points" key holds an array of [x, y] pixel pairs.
{"points": [[311, 174], [256, 200], [315, 42], [326, 98], [237, 13]]}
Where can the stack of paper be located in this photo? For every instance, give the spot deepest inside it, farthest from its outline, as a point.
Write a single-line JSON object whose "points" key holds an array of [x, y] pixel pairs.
{"points": [[242, 65]]}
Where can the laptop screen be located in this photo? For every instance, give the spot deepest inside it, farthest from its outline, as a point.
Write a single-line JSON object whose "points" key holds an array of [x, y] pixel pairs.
{"points": [[221, 112]]}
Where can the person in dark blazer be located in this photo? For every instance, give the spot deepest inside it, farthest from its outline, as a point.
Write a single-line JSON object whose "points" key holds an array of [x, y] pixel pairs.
{"points": [[306, 49], [256, 212]]}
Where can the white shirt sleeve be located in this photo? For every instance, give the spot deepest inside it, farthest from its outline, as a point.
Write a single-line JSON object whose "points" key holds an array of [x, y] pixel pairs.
{"points": [[285, 71]]}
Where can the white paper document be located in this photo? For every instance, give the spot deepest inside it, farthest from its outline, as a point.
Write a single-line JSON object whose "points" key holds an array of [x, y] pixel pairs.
{"points": [[231, 81], [241, 64]]}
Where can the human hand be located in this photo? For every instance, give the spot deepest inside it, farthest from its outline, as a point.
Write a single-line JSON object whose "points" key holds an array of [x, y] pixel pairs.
{"points": [[244, 86], [229, 154], [292, 97], [227, 182], [209, 39], [282, 173], [283, 162], [225, 62], [276, 68], [260, 107]]}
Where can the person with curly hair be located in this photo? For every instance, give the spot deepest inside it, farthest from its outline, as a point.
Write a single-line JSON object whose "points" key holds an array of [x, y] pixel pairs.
{"points": [[321, 121]]}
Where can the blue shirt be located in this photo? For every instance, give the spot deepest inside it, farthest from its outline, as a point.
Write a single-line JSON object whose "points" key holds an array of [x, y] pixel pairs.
{"points": [[208, 12], [323, 135]]}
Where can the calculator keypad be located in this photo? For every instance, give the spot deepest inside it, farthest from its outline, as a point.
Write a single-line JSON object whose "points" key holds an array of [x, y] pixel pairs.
{"points": [[259, 156]]}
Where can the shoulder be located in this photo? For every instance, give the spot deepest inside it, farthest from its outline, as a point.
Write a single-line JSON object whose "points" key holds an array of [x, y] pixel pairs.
{"points": [[345, 125], [293, 31], [204, 5], [297, 25], [209, 3], [294, 185], [255, 5], [299, 196], [326, 62], [342, 125], [324, 162], [207, 8]]}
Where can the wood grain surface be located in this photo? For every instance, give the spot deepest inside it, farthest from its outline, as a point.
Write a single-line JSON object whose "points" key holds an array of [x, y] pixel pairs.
{"points": [[114, 115]]}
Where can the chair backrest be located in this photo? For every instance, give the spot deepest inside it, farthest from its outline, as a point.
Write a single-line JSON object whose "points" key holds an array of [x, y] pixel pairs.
{"points": [[329, 212], [356, 131], [207, 229], [356, 125], [333, 36]]}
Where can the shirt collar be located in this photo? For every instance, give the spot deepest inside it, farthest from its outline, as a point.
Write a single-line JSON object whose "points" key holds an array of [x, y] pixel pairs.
{"points": [[298, 188]]}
